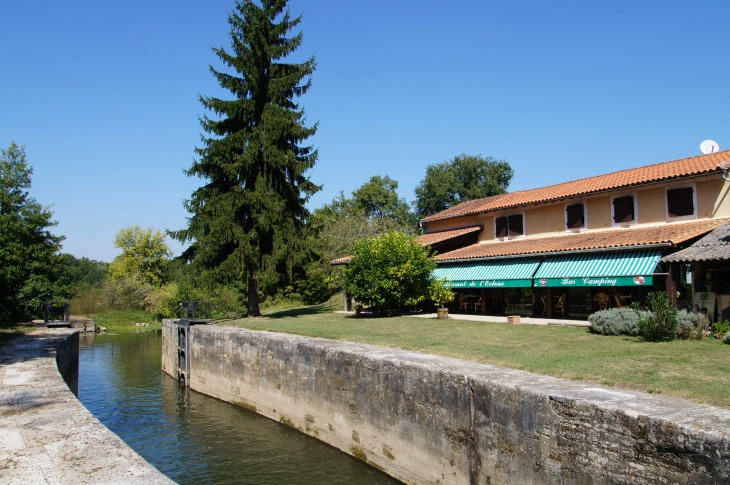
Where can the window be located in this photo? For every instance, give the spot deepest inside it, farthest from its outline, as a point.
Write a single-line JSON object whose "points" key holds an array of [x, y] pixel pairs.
{"points": [[624, 210], [515, 227], [500, 227], [575, 216], [509, 226], [681, 202]]}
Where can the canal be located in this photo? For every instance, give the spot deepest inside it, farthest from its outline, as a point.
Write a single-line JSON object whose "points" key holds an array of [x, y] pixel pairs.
{"points": [[195, 439]]}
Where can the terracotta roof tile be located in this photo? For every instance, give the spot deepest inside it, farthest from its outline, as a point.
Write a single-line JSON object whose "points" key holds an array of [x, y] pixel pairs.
{"points": [[685, 167], [437, 237], [342, 260], [673, 233]]}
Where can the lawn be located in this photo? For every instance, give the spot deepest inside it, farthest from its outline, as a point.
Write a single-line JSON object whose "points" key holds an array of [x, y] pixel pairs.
{"points": [[122, 320], [697, 370]]}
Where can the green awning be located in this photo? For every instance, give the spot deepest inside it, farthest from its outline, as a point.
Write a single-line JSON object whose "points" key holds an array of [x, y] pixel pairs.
{"points": [[628, 268], [498, 273]]}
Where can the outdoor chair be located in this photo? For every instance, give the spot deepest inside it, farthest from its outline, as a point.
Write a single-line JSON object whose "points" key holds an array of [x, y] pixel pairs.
{"points": [[543, 299], [620, 302], [478, 304], [463, 303], [560, 305], [603, 301]]}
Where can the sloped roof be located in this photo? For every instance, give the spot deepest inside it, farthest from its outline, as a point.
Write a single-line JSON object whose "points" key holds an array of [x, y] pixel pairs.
{"points": [[684, 167], [427, 239], [713, 247], [438, 237], [671, 233]]}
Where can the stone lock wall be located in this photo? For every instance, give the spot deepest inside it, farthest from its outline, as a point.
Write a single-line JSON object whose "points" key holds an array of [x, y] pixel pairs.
{"points": [[428, 419]]}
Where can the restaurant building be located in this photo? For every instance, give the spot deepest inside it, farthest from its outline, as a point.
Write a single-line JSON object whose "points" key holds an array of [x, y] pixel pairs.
{"points": [[570, 249]]}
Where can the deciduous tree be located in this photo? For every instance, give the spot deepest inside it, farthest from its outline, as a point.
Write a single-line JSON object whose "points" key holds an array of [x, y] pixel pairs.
{"points": [[247, 220], [464, 178], [389, 271], [31, 267], [144, 255]]}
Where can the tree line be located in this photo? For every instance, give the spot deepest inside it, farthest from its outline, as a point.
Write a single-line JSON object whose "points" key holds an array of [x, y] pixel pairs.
{"points": [[250, 237]]}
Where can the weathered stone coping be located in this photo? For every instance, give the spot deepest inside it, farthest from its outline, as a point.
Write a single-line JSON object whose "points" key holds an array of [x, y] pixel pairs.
{"points": [[429, 419], [46, 434]]}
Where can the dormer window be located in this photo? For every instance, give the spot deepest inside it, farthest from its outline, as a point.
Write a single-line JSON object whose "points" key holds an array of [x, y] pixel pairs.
{"points": [[575, 217], [681, 203], [624, 209], [509, 226]]}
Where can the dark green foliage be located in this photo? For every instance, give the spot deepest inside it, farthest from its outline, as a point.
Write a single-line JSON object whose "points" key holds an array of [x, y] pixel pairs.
{"points": [[661, 322], [378, 199], [720, 329], [247, 221], [389, 271], [616, 321], [31, 269], [464, 178], [84, 271]]}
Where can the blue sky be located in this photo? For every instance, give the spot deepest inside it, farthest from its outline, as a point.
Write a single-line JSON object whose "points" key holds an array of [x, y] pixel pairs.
{"points": [[104, 94]]}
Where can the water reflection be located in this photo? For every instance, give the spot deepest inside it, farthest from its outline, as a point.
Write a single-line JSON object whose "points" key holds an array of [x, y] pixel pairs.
{"points": [[192, 438]]}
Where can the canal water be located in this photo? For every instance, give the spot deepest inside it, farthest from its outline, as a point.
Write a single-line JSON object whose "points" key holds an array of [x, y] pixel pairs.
{"points": [[195, 439]]}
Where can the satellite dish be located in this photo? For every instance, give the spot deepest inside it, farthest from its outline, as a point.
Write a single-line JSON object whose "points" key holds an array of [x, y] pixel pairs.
{"points": [[709, 146]]}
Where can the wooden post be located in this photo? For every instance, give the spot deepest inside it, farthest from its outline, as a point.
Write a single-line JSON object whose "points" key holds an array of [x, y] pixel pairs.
{"points": [[672, 284], [549, 299], [484, 301]]}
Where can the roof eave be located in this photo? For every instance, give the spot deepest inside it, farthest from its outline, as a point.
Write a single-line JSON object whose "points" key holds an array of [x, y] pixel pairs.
{"points": [[552, 253]]}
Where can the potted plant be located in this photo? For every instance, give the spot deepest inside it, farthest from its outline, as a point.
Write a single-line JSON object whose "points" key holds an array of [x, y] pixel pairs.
{"points": [[440, 291]]}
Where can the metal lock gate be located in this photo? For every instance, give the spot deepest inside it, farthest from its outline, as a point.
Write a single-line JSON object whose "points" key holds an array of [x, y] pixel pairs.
{"points": [[183, 347]]}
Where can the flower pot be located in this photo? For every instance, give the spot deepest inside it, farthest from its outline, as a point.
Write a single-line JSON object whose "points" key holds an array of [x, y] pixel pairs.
{"points": [[442, 313]]}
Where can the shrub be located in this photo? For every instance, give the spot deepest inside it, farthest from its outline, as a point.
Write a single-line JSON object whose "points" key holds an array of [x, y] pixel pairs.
{"points": [[726, 338], [126, 293], [616, 321], [721, 329], [163, 301], [389, 271], [691, 325], [440, 291], [661, 322]]}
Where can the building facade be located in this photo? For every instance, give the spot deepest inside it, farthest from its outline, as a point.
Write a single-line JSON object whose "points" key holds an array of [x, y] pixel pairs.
{"points": [[570, 249]]}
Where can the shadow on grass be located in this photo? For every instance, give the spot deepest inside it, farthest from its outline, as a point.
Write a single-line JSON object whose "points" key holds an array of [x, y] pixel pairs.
{"points": [[9, 331], [300, 311]]}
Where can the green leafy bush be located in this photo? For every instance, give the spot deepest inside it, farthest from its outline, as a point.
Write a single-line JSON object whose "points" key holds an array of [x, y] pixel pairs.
{"points": [[440, 292], [389, 271], [616, 321], [726, 338], [164, 301], [661, 322], [720, 329], [126, 293], [691, 325]]}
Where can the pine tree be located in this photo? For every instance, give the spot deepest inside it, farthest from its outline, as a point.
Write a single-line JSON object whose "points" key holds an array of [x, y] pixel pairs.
{"points": [[246, 222]]}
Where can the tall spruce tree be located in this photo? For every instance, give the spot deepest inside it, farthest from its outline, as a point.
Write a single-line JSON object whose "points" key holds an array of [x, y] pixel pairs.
{"points": [[246, 222]]}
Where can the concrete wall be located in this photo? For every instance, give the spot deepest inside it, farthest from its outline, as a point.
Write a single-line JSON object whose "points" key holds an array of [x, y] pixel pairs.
{"points": [[46, 435], [427, 419]]}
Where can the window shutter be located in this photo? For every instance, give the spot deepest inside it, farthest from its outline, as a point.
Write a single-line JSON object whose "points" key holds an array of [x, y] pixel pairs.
{"points": [[575, 216], [500, 227], [514, 225], [623, 209], [680, 202]]}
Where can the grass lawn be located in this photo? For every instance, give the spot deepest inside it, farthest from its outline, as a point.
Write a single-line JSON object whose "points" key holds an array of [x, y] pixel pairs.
{"points": [[697, 370], [122, 320]]}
